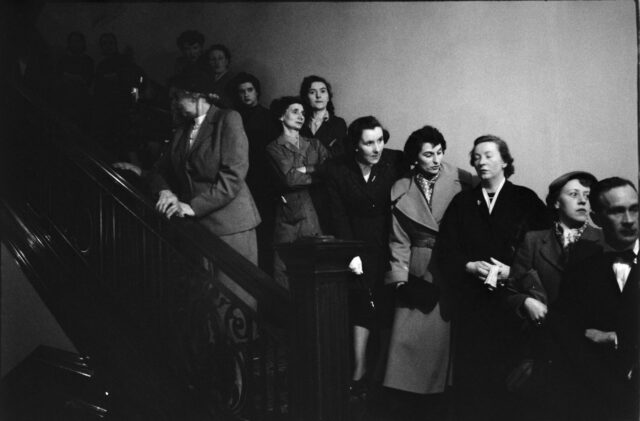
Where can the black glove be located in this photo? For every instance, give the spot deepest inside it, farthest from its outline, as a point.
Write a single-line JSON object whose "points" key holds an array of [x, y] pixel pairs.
{"points": [[418, 293]]}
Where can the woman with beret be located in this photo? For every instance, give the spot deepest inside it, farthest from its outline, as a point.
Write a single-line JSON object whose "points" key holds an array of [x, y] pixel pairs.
{"points": [[534, 285], [419, 352], [359, 184], [478, 237], [294, 160]]}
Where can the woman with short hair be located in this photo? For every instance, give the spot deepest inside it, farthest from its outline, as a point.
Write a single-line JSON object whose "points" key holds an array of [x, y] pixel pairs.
{"points": [[478, 238], [358, 184], [295, 160], [419, 350], [533, 291]]}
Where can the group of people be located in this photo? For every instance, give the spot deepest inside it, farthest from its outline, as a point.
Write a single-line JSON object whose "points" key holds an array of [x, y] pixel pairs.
{"points": [[471, 298]]}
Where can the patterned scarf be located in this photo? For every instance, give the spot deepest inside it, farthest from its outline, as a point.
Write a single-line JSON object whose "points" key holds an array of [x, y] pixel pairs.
{"points": [[568, 236], [426, 185]]}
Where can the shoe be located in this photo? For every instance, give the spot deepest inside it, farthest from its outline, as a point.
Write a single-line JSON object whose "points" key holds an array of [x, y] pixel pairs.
{"points": [[358, 389]]}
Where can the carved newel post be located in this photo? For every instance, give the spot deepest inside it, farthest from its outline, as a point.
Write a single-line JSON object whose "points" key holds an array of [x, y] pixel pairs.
{"points": [[319, 369]]}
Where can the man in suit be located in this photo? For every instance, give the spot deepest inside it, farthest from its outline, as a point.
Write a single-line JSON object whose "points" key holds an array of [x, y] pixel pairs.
{"points": [[202, 174], [600, 302]]}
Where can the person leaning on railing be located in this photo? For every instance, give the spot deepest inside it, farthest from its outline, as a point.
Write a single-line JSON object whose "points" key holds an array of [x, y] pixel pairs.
{"points": [[209, 159]]}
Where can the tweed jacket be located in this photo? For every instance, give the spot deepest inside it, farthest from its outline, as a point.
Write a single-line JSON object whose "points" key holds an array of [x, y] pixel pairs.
{"points": [[209, 175]]}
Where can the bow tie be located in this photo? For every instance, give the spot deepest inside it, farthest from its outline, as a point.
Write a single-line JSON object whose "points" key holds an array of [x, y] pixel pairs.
{"points": [[626, 256]]}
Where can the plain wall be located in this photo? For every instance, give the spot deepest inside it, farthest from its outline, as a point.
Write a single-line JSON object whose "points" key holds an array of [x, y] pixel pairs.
{"points": [[556, 80]]}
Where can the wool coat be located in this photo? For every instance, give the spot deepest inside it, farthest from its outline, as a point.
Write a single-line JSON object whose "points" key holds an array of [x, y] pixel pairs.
{"points": [[419, 350], [209, 175], [485, 332], [361, 210]]}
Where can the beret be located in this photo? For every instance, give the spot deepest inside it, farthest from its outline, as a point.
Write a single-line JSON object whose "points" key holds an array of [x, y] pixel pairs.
{"points": [[556, 185]]}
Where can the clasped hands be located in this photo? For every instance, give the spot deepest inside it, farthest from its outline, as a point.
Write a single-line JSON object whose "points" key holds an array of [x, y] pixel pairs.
{"points": [[169, 205], [480, 269]]}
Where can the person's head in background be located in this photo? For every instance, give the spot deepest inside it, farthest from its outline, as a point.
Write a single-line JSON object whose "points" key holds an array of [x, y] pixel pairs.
{"points": [[191, 44]]}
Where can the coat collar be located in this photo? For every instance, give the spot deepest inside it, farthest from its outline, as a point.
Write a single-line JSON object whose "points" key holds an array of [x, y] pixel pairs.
{"points": [[206, 128], [552, 251], [304, 144], [411, 202]]}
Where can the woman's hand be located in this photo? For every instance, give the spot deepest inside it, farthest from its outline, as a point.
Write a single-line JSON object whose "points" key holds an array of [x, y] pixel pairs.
{"points": [[479, 269], [356, 265], [127, 167], [536, 310], [165, 200], [600, 337], [180, 209], [503, 270], [302, 169]]}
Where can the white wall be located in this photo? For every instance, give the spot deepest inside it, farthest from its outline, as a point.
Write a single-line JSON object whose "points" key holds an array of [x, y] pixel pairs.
{"points": [[556, 80]]}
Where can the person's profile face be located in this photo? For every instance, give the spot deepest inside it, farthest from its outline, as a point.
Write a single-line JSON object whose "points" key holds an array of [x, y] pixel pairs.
{"points": [[248, 94], [370, 146], [430, 158], [618, 216], [573, 203], [293, 117]]}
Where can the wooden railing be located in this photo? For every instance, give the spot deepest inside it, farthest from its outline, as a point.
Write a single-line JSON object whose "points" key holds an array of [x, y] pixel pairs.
{"points": [[244, 346]]}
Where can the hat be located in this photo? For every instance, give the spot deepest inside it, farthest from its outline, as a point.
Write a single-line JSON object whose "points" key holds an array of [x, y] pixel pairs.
{"points": [[196, 80], [557, 184]]}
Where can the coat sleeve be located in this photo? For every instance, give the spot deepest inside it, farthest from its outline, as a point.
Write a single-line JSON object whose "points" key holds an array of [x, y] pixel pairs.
{"points": [[339, 218], [158, 175], [234, 163], [522, 277], [400, 250], [449, 249], [283, 163]]}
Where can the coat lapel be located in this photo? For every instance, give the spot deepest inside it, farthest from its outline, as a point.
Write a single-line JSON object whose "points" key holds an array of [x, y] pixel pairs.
{"points": [[206, 129], [447, 186], [551, 251]]}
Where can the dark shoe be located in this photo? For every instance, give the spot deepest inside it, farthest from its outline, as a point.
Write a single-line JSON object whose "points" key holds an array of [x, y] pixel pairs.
{"points": [[358, 389]]}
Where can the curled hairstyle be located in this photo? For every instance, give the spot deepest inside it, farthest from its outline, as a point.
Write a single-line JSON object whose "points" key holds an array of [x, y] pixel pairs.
{"points": [[218, 47], [427, 134], [503, 148], [359, 125], [244, 77], [603, 186], [279, 106], [189, 37], [304, 92]]}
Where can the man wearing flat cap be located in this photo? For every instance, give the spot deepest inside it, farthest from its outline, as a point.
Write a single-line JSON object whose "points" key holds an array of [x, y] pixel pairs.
{"points": [[202, 173]]}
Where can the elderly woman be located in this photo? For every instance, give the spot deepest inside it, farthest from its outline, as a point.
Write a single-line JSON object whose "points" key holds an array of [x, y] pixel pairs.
{"points": [[419, 351], [294, 159], [322, 123], [359, 184], [478, 237], [534, 284], [217, 59], [207, 163]]}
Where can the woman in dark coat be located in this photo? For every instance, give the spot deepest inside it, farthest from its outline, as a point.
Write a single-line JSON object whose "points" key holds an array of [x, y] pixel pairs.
{"points": [[479, 234], [261, 128], [533, 287], [359, 184], [295, 161], [419, 352]]}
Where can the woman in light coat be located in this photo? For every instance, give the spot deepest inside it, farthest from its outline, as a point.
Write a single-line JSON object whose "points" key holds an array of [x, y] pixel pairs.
{"points": [[419, 351]]}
